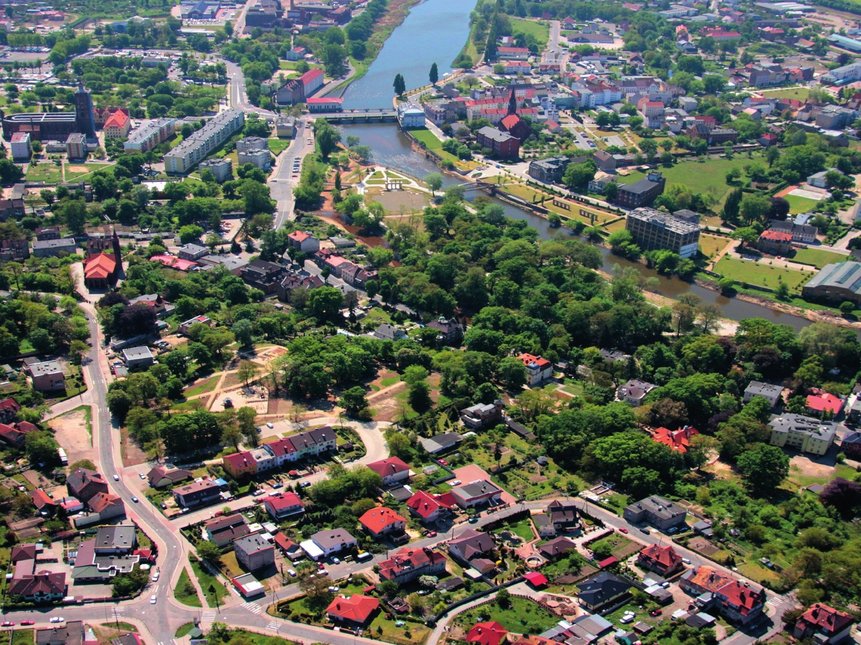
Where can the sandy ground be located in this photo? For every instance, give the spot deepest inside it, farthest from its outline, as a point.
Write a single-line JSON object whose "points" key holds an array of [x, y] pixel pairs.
{"points": [[71, 433]]}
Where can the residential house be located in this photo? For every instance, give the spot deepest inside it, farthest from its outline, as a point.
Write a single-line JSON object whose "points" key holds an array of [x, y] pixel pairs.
{"points": [[482, 415], [634, 391], [223, 530], [775, 242], [296, 281], [254, 552], [472, 548], [353, 611], [393, 470], [263, 275], [200, 493], [102, 507], [9, 409], [738, 602], [677, 440], [802, 433], [303, 241], [663, 560], [46, 376], [823, 625], [382, 521], [390, 332], [84, 484], [657, 511], [487, 633], [603, 590], [166, 475], [823, 404], [428, 508], [851, 444], [771, 393], [563, 515], [140, 356], [334, 541], [449, 330], [557, 547], [16, 433], [801, 233], [440, 443], [55, 248], [480, 492], [538, 369], [283, 505], [239, 464], [409, 564]]}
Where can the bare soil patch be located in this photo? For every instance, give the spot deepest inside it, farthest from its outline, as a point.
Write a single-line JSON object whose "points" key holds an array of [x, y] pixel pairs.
{"points": [[71, 432]]}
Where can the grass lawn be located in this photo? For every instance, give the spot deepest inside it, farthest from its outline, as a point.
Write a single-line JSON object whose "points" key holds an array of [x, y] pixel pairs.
{"points": [[522, 529], [800, 93], [424, 136], [799, 204], [46, 171], [573, 387], [277, 146], [78, 171], [711, 245], [700, 176], [184, 630], [202, 387], [760, 274], [522, 616], [818, 257], [212, 588], [539, 30], [185, 591], [22, 637]]}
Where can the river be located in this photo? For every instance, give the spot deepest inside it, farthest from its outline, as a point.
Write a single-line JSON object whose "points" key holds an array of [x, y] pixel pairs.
{"points": [[435, 31]]}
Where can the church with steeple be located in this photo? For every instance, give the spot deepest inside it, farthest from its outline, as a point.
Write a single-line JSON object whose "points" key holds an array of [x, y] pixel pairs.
{"points": [[103, 265], [512, 123]]}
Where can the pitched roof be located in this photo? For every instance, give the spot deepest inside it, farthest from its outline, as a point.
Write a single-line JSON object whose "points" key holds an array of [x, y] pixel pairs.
{"points": [[41, 499], [825, 618], [117, 119], [407, 559], [101, 501], [355, 609], [532, 362], [282, 501], [666, 555], [41, 583], [488, 633], [677, 440], [100, 267], [379, 519], [390, 466], [424, 504], [821, 401]]}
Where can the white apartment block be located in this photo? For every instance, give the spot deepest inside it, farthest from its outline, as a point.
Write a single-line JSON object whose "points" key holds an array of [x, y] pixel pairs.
{"points": [[802, 433], [148, 136], [211, 136]]}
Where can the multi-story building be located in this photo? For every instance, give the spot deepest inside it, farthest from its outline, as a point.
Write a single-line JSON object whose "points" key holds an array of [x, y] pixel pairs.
{"points": [[76, 146], [254, 552], [211, 136], [775, 242], [117, 125], [551, 170], [21, 148], [823, 625], [501, 144], [47, 376], [411, 116], [200, 493], [538, 369], [641, 193], [55, 248], [802, 433], [736, 601], [657, 511], [652, 229], [222, 170], [148, 136], [258, 157]]}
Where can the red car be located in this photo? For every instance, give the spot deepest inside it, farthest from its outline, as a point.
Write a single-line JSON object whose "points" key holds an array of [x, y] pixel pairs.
{"points": [[442, 462], [431, 533], [623, 530], [27, 622], [656, 612]]}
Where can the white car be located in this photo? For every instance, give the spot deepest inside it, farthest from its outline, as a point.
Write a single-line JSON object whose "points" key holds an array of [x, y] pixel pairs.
{"points": [[153, 599], [155, 576], [135, 499], [116, 478], [270, 425], [454, 482], [292, 573], [58, 619]]}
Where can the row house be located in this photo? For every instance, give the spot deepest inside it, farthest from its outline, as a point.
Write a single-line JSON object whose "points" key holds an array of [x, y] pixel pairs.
{"points": [[275, 454]]}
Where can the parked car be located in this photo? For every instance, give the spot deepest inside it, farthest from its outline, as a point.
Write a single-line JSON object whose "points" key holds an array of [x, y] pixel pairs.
{"points": [[291, 573], [623, 530], [135, 499], [58, 619], [153, 599], [7, 623]]}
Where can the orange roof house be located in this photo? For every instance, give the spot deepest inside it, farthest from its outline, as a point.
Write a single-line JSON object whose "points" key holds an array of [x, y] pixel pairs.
{"points": [[382, 520], [355, 610], [117, 125], [488, 633], [677, 440]]}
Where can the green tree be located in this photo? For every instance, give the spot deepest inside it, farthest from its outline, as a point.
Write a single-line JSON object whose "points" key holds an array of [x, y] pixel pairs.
{"points": [[763, 467], [208, 551], [578, 175], [353, 401], [324, 304], [433, 76], [399, 85]]}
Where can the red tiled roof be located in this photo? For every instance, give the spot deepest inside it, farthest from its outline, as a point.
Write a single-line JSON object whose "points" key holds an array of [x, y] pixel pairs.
{"points": [[43, 583], [677, 440], [821, 401], [118, 119], [666, 555], [355, 609], [9, 404], [299, 236], [283, 500], [173, 262], [239, 460], [283, 542], [407, 559], [489, 633], [529, 359], [510, 121], [390, 466], [41, 499], [320, 100], [424, 504], [379, 519], [310, 75], [776, 236], [826, 618], [100, 501], [100, 267]]}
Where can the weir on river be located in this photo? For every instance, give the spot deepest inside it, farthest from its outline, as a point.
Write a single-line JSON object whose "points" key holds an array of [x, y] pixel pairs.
{"points": [[435, 31]]}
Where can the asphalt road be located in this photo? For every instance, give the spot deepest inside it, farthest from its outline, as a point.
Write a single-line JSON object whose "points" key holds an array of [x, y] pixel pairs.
{"points": [[237, 97], [285, 177]]}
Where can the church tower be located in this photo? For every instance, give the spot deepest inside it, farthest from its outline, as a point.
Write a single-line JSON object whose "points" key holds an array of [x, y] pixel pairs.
{"points": [[512, 103], [84, 115]]}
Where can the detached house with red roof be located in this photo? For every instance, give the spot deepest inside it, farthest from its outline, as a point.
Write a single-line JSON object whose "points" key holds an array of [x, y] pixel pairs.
{"points": [[8, 410], [428, 508], [538, 369], [101, 269], [663, 560], [409, 564], [823, 625], [353, 611], [283, 505], [775, 242], [822, 403], [676, 440], [393, 470], [382, 521], [736, 601], [487, 633], [303, 241]]}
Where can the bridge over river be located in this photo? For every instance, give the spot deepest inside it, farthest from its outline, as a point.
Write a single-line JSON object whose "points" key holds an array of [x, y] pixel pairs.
{"points": [[359, 116]]}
